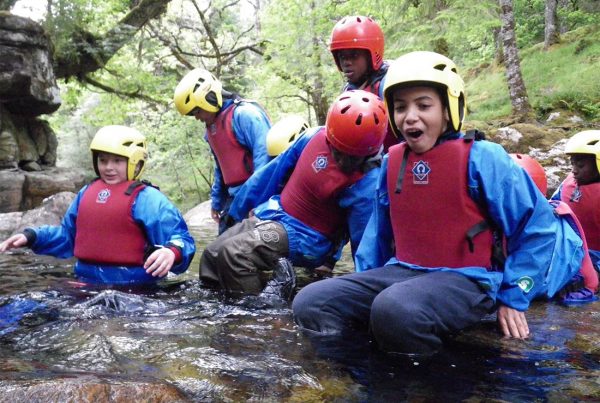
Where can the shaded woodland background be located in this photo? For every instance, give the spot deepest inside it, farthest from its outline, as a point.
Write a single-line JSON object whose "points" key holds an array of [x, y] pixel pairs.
{"points": [[118, 62]]}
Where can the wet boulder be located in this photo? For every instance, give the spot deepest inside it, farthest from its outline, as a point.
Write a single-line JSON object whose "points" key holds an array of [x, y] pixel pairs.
{"points": [[89, 388]]}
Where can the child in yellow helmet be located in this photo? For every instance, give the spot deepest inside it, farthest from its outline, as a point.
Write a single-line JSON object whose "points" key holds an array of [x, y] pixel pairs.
{"points": [[427, 265], [581, 191], [123, 231]]}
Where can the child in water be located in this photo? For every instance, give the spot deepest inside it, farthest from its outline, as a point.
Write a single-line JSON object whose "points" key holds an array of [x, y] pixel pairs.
{"points": [[121, 230]]}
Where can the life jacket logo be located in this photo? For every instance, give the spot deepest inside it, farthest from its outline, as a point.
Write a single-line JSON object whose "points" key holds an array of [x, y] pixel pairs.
{"points": [[103, 196], [320, 163], [421, 172], [576, 196], [525, 283]]}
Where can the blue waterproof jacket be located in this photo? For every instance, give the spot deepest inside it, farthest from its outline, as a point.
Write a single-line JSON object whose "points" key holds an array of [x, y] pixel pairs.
{"points": [[543, 251], [308, 248], [250, 126], [162, 223]]}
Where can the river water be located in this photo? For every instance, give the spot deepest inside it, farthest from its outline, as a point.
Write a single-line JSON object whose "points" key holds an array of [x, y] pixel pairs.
{"points": [[215, 349]]}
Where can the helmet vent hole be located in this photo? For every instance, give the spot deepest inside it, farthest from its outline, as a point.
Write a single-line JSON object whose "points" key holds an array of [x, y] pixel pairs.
{"points": [[593, 143], [292, 138], [187, 99], [359, 119], [358, 19], [376, 118], [365, 99], [127, 143], [345, 109], [440, 67]]}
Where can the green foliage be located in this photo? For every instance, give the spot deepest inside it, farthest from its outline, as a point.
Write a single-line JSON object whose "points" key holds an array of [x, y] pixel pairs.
{"points": [[565, 77], [296, 72]]}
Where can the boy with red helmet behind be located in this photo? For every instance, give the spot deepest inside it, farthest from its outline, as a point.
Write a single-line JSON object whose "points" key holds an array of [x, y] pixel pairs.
{"points": [[325, 201]]}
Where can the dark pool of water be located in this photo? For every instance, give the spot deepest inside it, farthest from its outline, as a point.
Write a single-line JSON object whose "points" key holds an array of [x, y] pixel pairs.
{"points": [[214, 349]]}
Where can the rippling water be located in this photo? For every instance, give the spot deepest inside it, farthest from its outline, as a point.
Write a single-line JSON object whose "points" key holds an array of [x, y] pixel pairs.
{"points": [[215, 349]]}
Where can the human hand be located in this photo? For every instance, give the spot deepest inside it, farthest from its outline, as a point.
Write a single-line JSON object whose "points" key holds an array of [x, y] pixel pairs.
{"points": [[215, 215], [159, 262], [512, 322], [15, 241]]}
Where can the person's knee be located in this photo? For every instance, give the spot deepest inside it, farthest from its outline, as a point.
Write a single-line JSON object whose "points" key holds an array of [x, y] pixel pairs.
{"points": [[303, 306], [401, 325]]}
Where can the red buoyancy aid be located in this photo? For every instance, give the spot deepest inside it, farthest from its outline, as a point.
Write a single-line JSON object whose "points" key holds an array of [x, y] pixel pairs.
{"points": [[433, 212], [106, 232], [587, 271], [311, 193], [585, 203], [234, 160]]}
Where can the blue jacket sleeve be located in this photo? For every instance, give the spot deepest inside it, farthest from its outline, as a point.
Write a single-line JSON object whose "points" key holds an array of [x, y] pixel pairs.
{"points": [[521, 211], [357, 201], [376, 245], [268, 180], [250, 125], [164, 225], [59, 241]]}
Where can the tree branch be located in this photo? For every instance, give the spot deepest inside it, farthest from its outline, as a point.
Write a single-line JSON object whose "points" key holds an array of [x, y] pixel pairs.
{"points": [[93, 52], [135, 94]]}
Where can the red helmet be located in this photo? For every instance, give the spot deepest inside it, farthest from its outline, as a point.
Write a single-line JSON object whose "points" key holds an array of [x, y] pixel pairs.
{"points": [[356, 123], [358, 32], [534, 169]]}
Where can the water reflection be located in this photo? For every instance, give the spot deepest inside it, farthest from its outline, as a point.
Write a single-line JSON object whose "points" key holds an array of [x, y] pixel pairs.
{"points": [[216, 349]]}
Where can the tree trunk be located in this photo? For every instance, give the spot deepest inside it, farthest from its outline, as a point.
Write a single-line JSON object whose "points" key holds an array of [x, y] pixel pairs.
{"points": [[94, 52], [551, 34], [516, 86]]}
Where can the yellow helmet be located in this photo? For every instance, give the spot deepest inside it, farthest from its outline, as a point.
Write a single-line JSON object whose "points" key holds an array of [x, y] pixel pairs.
{"points": [[283, 133], [124, 141], [198, 89], [585, 142], [423, 68]]}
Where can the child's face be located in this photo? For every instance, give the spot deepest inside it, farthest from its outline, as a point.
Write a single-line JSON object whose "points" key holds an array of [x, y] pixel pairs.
{"points": [[112, 168], [420, 116], [208, 118], [354, 64], [584, 169]]}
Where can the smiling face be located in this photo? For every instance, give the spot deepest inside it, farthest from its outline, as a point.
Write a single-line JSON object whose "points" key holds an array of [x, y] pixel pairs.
{"points": [[420, 116], [584, 169], [112, 168], [354, 64]]}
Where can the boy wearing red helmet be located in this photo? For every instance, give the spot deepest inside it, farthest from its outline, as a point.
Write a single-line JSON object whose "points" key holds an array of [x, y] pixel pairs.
{"points": [[357, 45], [328, 195]]}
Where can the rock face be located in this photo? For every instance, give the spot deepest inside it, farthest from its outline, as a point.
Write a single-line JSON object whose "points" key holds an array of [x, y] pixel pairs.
{"points": [[21, 190], [50, 212], [27, 83], [28, 145]]}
